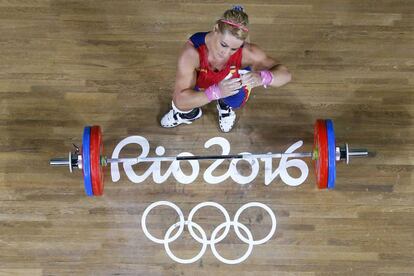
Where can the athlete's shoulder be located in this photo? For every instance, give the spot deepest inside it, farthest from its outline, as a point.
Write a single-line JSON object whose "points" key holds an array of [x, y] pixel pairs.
{"points": [[253, 51], [198, 39], [189, 56]]}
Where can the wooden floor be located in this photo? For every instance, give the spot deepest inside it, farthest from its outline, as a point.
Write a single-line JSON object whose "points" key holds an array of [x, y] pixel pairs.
{"points": [[67, 64]]}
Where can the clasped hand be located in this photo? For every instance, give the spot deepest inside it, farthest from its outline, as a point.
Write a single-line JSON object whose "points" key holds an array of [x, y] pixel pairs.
{"points": [[230, 87]]}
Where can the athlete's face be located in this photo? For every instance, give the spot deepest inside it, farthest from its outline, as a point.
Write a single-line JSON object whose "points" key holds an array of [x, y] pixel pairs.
{"points": [[225, 45]]}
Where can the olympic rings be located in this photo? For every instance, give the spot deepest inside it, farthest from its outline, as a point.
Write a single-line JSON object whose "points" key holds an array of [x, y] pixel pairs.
{"points": [[204, 240]]}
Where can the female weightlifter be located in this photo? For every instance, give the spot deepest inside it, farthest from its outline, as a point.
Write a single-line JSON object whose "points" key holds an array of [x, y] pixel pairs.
{"points": [[221, 66]]}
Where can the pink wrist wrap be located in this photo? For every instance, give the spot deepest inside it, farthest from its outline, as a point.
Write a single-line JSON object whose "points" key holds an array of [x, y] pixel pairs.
{"points": [[213, 92], [267, 77]]}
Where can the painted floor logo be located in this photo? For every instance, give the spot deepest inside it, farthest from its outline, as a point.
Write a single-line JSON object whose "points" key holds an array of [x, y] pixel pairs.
{"points": [[203, 239], [209, 176]]}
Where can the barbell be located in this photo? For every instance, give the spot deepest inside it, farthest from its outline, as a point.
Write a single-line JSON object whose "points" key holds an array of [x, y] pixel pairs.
{"points": [[90, 159]]}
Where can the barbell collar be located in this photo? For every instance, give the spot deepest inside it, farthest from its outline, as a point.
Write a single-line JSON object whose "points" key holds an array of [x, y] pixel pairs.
{"points": [[72, 161]]}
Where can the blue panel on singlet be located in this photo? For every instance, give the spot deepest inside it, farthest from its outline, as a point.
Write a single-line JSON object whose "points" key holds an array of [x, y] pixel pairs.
{"points": [[237, 100], [198, 39]]}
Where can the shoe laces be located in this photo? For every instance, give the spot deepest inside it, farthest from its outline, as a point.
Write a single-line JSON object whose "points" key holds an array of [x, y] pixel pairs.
{"points": [[226, 112], [175, 115]]}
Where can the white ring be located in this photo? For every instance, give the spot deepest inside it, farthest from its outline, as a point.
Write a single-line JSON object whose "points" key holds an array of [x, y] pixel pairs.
{"points": [[267, 209], [144, 217], [206, 204], [250, 242], [186, 261]]}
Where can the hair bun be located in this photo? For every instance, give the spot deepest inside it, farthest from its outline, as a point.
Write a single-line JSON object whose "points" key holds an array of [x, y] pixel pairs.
{"points": [[238, 8]]}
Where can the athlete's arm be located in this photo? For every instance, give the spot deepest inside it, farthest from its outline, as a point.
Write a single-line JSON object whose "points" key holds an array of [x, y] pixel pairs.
{"points": [[184, 96], [256, 58]]}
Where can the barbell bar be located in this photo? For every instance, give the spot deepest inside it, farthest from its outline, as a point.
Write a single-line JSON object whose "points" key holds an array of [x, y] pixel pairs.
{"points": [[325, 154]]}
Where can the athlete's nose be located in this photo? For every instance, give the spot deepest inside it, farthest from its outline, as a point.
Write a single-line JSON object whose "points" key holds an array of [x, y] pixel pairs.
{"points": [[225, 52]]}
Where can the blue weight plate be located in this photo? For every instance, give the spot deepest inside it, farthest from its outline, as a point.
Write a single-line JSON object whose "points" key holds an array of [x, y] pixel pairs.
{"points": [[86, 160], [331, 154]]}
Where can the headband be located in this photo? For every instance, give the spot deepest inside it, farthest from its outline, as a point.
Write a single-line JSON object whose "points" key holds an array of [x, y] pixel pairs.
{"points": [[237, 25]]}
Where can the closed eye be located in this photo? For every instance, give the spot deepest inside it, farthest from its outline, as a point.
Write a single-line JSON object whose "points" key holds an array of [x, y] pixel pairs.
{"points": [[225, 46]]}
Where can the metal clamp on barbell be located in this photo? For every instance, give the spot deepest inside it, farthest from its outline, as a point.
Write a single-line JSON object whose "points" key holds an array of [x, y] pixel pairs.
{"points": [[74, 160], [344, 153]]}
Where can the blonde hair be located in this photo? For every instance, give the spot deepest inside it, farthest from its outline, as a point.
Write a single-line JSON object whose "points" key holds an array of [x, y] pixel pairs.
{"points": [[235, 22]]}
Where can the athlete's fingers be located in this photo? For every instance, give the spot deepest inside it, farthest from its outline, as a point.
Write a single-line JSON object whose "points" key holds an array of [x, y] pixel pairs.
{"points": [[246, 76], [234, 92], [234, 80], [236, 86]]}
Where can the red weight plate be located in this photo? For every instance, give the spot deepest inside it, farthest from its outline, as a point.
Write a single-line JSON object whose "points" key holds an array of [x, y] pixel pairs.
{"points": [[321, 160], [96, 166]]}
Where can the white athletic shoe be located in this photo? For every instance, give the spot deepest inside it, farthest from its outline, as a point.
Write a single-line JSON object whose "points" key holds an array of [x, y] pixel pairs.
{"points": [[227, 117], [176, 117]]}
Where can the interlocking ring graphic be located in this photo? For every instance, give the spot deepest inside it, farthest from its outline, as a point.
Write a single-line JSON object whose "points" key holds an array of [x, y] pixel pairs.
{"points": [[203, 239]]}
